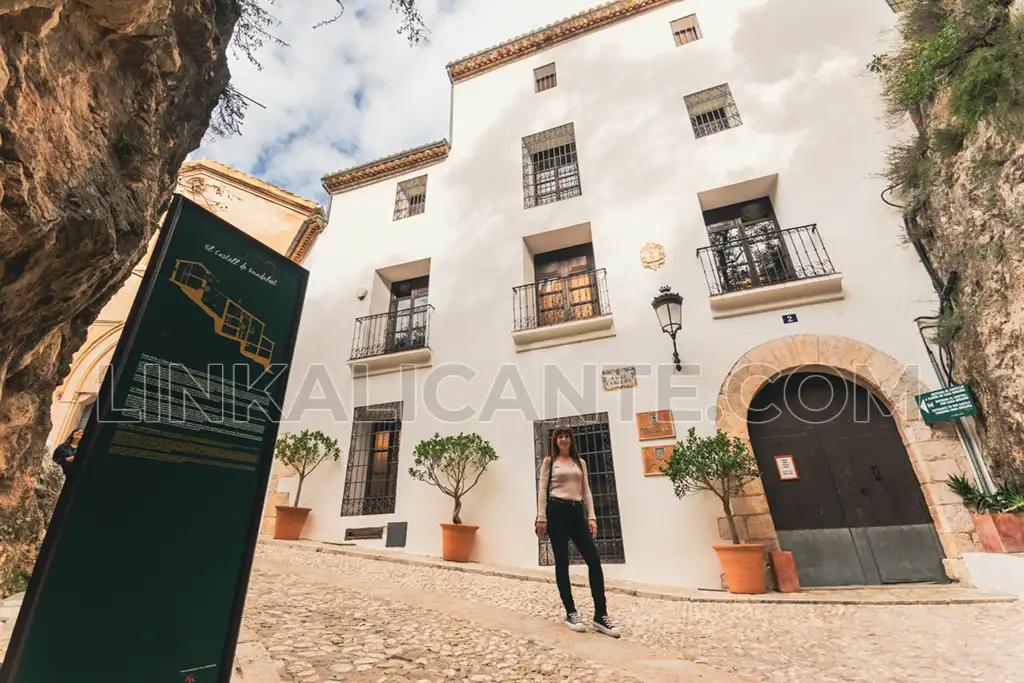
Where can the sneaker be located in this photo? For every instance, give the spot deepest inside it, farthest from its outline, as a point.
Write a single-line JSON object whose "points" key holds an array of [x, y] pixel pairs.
{"points": [[574, 622], [606, 626]]}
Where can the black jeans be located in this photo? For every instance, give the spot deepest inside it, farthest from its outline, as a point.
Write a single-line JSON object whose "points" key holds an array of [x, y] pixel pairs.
{"points": [[568, 520]]}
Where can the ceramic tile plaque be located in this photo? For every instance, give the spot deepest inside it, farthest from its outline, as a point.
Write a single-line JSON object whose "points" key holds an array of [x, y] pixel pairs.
{"points": [[656, 424], [656, 457], [618, 378]]}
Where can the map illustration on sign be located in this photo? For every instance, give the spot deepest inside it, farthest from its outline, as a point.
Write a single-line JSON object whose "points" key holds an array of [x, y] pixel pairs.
{"points": [[229, 318]]}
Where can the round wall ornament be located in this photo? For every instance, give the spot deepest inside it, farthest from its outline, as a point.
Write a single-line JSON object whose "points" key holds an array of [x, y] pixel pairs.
{"points": [[652, 256]]}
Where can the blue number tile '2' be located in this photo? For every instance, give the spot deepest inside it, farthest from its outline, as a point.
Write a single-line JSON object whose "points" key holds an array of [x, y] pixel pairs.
{"points": [[788, 318]]}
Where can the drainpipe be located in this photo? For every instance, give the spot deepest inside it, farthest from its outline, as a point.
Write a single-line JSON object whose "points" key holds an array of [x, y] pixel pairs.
{"points": [[944, 374], [981, 473]]}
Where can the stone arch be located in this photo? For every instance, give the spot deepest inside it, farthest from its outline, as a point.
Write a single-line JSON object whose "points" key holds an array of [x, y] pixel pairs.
{"points": [[935, 452], [81, 381]]}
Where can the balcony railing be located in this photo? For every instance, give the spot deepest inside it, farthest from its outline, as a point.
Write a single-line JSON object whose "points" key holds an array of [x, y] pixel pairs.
{"points": [[404, 330], [560, 299], [768, 258]]}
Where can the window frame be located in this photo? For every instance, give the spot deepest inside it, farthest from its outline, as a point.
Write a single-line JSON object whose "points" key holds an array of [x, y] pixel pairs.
{"points": [[746, 241], [700, 104], [540, 80], [555, 151], [573, 293], [411, 197], [368, 424], [416, 291], [594, 443], [677, 34]]}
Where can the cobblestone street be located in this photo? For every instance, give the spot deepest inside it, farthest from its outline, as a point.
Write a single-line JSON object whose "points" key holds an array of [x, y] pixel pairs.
{"points": [[340, 617], [350, 635]]}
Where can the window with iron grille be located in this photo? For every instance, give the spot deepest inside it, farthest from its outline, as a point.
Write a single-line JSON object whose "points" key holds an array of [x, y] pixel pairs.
{"points": [[748, 246], [411, 197], [712, 111], [898, 5], [550, 167], [593, 439], [545, 78], [566, 284], [371, 476], [747, 249], [685, 30]]}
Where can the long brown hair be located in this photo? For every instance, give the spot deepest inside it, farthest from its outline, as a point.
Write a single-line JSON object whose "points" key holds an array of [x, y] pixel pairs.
{"points": [[67, 441], [574, 452]]}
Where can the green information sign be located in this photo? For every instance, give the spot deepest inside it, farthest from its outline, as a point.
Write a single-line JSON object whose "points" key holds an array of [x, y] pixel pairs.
{"points": [[950, 403], [143, 573]]}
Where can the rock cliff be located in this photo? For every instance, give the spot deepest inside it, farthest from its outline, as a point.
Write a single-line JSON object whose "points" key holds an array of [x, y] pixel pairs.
{"points": [[100, 102], [958, 67], [976, 227]]}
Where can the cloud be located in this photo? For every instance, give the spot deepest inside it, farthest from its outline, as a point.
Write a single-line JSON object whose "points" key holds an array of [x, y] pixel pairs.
{"points": [[355, 90]]}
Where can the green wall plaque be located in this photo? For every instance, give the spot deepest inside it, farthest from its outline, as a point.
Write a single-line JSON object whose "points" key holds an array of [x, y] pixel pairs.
{"points": [[950, 403]]}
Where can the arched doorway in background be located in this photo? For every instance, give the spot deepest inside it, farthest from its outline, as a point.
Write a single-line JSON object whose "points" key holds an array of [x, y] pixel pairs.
{"points": [[855, 513]]}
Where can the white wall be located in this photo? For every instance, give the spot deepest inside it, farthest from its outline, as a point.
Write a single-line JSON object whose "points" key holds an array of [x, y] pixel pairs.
{"points": [[810, 113], [996, 572]]}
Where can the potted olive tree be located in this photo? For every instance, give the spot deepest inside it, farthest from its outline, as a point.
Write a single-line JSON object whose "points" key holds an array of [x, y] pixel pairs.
{"points": [[454, 465], [998, 516], [304, 452], [722, 466]]}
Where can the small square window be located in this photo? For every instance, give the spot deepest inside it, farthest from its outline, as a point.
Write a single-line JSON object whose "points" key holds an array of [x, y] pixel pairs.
{"points": [[898, 5], [411, 197], [685, 30], [545, 78], [712, 111]]}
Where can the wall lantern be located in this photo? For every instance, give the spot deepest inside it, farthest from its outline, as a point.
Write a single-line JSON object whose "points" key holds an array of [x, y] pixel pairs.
{"points": [[669, 307]]}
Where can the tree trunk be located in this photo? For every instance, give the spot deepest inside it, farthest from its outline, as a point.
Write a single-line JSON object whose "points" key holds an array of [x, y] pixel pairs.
{"points": [[732, 522], [458, 508], [298, 491]]}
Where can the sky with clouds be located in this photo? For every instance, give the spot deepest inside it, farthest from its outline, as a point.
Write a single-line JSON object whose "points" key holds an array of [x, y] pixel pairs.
{"points": [[355, 90]]}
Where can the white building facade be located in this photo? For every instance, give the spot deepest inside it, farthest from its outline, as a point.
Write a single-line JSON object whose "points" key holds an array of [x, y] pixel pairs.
{"points": [[729, 151]]}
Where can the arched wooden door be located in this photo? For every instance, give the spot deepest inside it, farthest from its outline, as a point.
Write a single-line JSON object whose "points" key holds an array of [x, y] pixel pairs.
{"points": [[854, 513]]}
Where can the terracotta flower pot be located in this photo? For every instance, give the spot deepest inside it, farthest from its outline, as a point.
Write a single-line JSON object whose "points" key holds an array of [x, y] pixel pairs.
{"points": [[457, 542], [289, 522], [744, 567], [1000, 533]]}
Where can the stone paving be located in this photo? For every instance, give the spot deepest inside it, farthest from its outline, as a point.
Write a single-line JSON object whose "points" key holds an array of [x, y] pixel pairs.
{"points": [[348, 635], [317, 617], [383, 638], [9, 608]]}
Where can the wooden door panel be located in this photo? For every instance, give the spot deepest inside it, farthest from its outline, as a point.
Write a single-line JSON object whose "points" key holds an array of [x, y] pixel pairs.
{"points": [[857, 494], [883, 489], [810, 502]]}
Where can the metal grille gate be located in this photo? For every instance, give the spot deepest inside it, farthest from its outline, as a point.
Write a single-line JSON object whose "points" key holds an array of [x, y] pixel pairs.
{"points": [[593, 439], [371, 476]]}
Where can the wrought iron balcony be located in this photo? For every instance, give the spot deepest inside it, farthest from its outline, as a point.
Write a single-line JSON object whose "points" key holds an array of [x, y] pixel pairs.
{"points": [[385, 333], [580, 296], [769, 257]]}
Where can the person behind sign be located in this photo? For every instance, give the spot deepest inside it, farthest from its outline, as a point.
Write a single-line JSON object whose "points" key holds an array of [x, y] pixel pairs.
{"points": [[565, 511], [64, 455]]}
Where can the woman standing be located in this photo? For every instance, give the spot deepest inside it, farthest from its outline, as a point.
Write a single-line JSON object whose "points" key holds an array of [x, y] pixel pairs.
{"points": [[565, 510], [64, 454]]}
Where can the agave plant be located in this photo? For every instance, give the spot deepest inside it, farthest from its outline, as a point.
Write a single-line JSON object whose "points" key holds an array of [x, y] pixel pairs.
{"points": [[1007, 497]]}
